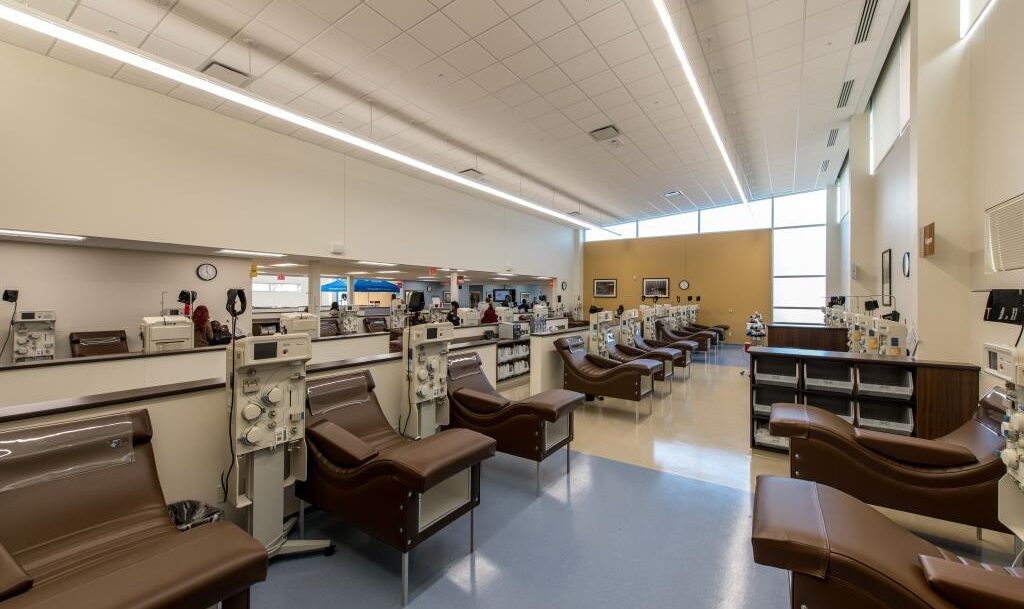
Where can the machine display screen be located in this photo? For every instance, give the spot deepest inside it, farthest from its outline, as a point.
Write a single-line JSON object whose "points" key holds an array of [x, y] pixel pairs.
{"points": [[28, 315], [431, 333], [264, 350]]}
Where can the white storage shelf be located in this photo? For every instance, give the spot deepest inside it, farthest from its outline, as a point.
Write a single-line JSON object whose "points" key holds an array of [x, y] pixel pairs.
{"points": [[885, 416], [763, 437], [764, 397], [781, 372], [885, 381], [841, 406], [829, 376]]}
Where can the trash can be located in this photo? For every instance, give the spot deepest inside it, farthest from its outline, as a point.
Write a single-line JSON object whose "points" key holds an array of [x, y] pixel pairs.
{"points": [[191, 513]]}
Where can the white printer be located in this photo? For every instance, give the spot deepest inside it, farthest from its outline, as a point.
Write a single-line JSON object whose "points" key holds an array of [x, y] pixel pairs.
{"points": [[167, 333]]}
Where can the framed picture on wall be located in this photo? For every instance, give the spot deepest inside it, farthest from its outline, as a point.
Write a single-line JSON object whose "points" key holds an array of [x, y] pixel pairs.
{"points": [[447, 296], [606, 288], [656, 287], [887, 278]]}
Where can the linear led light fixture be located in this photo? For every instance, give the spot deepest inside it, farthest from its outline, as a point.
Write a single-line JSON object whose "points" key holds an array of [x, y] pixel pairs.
{"points": [[369, 263], [967, 27], [10, 232], [382, 272], [284, 264], [677, 46], [61, 31], [354, 273], [253, 254]]}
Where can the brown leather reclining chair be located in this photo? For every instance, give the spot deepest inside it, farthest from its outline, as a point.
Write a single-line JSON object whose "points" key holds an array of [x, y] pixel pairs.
{"points": [[595, 375], [102, 342], [684, 347], [362, 470], [534, 428], [666, 355], [375, 324], [844, 554], [706, 340], [329, 326], [952, 478], [97, 535]]}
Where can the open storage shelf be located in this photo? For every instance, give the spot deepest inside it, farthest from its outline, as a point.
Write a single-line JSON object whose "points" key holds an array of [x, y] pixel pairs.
{"points": [[828, 376], [764, 397], [776, 371], [885, 416], [885, 381], [764, 439], [839, 405]]}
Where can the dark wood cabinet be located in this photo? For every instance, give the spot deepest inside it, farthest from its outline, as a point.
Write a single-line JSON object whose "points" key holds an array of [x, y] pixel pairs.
{"points": [[806, 337]]}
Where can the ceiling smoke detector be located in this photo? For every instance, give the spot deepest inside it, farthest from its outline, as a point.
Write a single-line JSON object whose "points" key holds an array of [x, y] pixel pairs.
{"points": [[472, 174], [223, 73], [605, 133]]}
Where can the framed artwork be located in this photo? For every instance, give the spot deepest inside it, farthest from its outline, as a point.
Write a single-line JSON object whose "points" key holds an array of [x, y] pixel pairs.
{"points": [[606, 288], [656, 287], [887, 278], [447, 296]]}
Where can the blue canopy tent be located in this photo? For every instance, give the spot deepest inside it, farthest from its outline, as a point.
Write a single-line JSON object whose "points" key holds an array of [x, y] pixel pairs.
{"points": [[375, 285], [338, 285]]}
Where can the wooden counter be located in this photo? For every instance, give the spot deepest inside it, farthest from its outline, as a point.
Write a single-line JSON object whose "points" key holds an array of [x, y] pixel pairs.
{"points": [[806, 336]]}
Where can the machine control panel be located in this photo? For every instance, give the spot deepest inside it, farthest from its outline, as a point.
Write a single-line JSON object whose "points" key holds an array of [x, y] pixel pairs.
{"points": [[1004, 362], [647, 317], [426, 359], [600, 329], [269, 390], [629, 324], [34, 335]]}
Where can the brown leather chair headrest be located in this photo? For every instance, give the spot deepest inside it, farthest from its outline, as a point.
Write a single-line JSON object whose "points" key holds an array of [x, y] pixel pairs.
{"points": [[789, 528], [570, 344], [463, 365], [332, 392], [340, 446]]}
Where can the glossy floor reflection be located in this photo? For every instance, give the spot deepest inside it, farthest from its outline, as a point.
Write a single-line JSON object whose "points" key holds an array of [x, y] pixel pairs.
{"points": [[613, 535]]}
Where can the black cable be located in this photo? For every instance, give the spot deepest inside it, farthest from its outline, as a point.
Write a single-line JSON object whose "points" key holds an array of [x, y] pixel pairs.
{"points": [[1016, 344], [226, 476], [10, 328]]}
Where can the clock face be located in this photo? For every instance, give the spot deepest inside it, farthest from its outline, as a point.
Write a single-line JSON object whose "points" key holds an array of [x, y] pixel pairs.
{"points": [[206, 271], [684, 285], [565, 285]]}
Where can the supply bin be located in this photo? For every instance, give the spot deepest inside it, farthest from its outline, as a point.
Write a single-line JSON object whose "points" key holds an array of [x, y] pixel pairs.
{"points": [[841, 406], [762, 437], [829, 376], [885, 381], [776, 371], [190, 513], [891, 417], [764, 397]]}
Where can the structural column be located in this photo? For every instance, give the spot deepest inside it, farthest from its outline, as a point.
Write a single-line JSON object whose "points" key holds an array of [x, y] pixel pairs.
{"points": [[313, 302]]}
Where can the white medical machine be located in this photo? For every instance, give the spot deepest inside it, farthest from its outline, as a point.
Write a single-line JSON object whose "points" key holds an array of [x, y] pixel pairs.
{"points": [[296, 323], [34, 335], [555, 324], [1011, 486], [514, 330], [504, 313], [647, 316], [677, 315], [398, 314], [600, 331], [167, 333], [349, 320], [892, 337], [469, 316], [436, 314], [1004, 362], [425, 356], [267, 409], [691, 314], [629, 325]]}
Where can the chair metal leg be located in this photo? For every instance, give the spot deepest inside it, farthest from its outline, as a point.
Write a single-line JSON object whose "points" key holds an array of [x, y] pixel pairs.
{"points": [[538, 478], [472, 531], [405, 578], [636, 411], [978, 532], [238, 601], [567, 467], [302, 519]]}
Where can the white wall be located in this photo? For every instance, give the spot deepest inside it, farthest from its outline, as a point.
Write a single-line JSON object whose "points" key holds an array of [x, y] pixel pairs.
{"points": [[895, 225], [90, 155], [110, 289]]}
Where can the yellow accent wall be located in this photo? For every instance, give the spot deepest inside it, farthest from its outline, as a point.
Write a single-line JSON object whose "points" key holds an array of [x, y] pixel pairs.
{"points": [[731, 272]]}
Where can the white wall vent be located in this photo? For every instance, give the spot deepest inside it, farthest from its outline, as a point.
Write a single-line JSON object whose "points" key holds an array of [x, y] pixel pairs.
{"points": [[1004, 237]]}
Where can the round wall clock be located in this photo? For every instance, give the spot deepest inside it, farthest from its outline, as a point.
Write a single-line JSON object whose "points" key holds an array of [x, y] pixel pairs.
{"points": [[906, 264], [206, 271], [684, 285], [565, 285]]}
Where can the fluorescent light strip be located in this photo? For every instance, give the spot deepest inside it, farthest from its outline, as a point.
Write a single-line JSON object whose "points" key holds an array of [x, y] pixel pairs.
{"points": [[281, 265], [139, 60], [382, 272], [376, 263], [691, 77], [10, 232], [965, 16], [248, 253]]}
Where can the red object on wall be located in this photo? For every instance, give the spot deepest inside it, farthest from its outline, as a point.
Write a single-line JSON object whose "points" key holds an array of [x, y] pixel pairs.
{"points": [[280, 277]]}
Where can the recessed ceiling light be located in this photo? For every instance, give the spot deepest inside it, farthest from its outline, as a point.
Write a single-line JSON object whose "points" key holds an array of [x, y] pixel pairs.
{"points": [[284, 264], [506, 274], [376, 263], [691, 77], [542, 278], [460, 270], [38, 22], [389, 272], [34, 235], [358, 273], [246, 252]]}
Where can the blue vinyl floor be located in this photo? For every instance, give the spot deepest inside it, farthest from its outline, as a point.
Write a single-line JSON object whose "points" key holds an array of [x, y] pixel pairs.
{"points": [[612, 535]]}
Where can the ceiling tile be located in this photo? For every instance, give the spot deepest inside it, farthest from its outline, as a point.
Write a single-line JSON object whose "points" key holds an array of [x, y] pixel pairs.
{"points": [[535, 107], [332, 10], [289, 18], [212, 15], [475, 16], [174, 52], [638, 68], [599, 83], [517, 94], [548, 81], [494, 77], [581, 9], [566, 96], [504, 39], [107, 25], [584, 66], [249, 7], [438, 33], [339, 47], [775, 15], [403, 13], [406, 53], [183, 32], [26, 39], [544, 19], [580, 110], [139, 13], [528, 62], [514, 6], [566, 44], [469, 57], [368, 27], [624, 48], [608, 25], [144, 79]]}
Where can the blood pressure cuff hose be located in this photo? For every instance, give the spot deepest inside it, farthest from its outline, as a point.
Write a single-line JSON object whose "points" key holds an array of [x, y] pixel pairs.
{"points": [[1006, 307]]}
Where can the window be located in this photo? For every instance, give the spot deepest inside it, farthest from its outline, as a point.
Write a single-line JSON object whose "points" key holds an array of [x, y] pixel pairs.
{"points": [[890, 101], [800, 209], [279, 292], [798, 251], [736, 217], [843, 194], [799, 257], [626, 230], [678, 224]]}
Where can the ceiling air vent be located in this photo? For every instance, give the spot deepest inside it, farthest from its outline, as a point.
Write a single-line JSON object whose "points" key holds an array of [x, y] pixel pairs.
{"points": [[867, 17], [1004, 235], [844, 94], [824, 166], [223, 73], [832, 135], [471, 173], [605, 133]]}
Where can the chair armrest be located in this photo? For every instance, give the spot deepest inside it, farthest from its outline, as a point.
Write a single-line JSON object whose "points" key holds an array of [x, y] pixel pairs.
{"points": [[628, 350], [603, 362], [480, 402], [917, 451], [422, 464], [551, 405], [13, 579], [644, 366], [339, 445], [972, 587]]}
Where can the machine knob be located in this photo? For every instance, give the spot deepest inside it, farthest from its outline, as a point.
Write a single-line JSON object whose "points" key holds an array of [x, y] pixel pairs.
{"points": [[274, 395], [422, 374], [423, 391], [34, 335], [432, 364], [251, 412], [252, 436], [21, 350], [22, 340], [1010, 457]]}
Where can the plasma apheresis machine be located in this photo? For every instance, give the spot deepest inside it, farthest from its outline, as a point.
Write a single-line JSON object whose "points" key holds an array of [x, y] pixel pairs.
{"points": [[425, 356], [267, 404], [349, 320], [629, 325], [34, 335], [600, 331], [295, 323], [167, 333]]}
